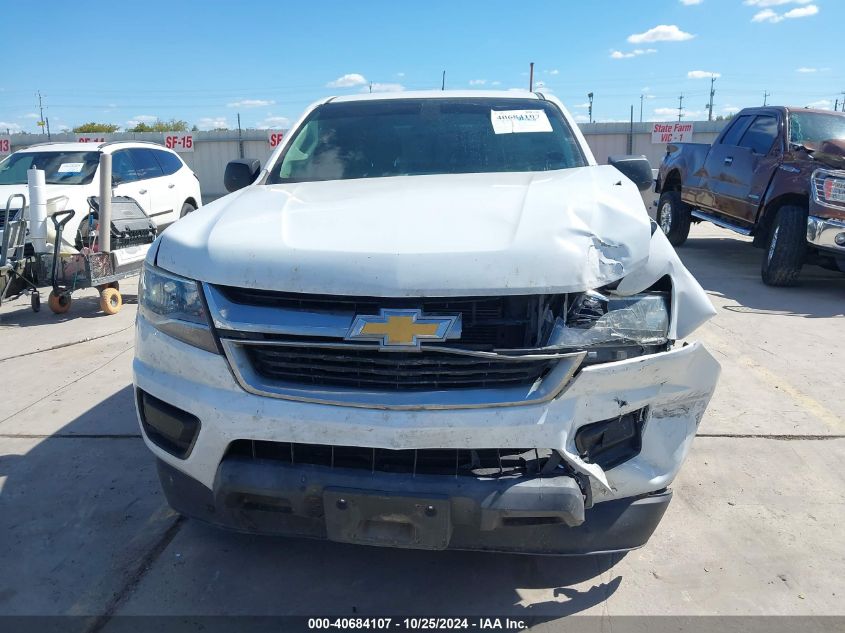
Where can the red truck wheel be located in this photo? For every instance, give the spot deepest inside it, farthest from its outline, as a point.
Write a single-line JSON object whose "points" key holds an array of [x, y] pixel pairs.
{"points": [[786, 247], [673, 217]]}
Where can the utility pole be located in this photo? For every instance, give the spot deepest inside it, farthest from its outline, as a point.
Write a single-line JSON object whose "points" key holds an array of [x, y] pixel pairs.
{"points": [[766, 95], [41, 112], [371, 87], [590, 107], [843, 102], [443, 81], [712, 92], [836, 106], [680, 107], [531, 77], [642, 96], [240, 138], [47, 121]]}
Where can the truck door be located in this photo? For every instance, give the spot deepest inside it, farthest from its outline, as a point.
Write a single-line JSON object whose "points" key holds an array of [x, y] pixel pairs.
{"points": [[759, 158], [722, 155]]}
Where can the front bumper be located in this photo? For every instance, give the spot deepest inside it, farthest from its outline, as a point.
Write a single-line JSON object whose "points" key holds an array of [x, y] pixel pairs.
{"points": [[536, 516], [674, 386], [824, 232]]}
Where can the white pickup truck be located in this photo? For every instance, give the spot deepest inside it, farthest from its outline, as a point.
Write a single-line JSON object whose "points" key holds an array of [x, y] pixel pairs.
{"points": [[430, 321]]}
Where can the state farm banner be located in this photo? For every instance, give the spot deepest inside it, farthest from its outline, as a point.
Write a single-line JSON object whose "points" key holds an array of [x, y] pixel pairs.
{"points": [[671, 133]]}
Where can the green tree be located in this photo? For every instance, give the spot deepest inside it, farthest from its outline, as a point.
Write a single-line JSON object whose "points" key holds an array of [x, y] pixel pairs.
{"points": [[173, 125], [96, 127]]}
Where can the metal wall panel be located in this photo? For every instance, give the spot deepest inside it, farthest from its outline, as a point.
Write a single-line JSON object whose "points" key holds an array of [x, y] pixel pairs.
{"points": [[212, 150]]}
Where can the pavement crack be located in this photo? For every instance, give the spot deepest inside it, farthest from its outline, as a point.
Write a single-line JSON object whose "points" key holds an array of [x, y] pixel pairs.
{"points": [[72, 382], [771, 436], [73, 436], [69, 344], [137, 575]]}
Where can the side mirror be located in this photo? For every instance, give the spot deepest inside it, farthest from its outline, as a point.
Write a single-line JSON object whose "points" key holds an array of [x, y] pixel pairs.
{"points": [[636, 168], [240, 173]]}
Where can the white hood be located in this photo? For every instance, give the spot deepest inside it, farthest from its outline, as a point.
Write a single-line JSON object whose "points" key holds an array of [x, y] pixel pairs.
{"points": [[439, 235]]}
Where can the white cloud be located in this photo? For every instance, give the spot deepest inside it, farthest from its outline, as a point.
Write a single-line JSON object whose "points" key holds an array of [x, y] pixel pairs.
{"points": [[634, 53], [212, 123], [774, 3], [554, 71], [691, 2], [539, 84], [400, 75], [274, 122], [805, 69], [349, 80], [30, 115], [802, 12], [377, 87], [702, 74], [821, 104], [666, 111], [251, 103], [673, 113], [495, 83], [661, 33], [582, 105], [582, 118], [477, 82], [731, 109], [141, 118], [767, 15], [12, 127]]}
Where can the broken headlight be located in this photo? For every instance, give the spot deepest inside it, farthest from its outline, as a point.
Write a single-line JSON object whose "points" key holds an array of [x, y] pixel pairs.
{"points": [[596, 320], [173, 305]]}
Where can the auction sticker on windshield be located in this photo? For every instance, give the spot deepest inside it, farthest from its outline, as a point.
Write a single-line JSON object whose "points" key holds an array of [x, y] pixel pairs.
{"points": [[70, 168], [519, 121]]}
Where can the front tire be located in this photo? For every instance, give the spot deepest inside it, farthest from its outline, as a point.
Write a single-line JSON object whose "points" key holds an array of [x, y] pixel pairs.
{"points": [[673, 217], [186, 209], [786, 247]]}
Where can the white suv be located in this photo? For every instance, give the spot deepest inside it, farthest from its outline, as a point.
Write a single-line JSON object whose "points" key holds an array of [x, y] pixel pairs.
{"points": [[154, 176]]}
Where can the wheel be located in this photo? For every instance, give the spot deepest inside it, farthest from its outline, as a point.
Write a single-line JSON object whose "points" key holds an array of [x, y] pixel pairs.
{"points": [[59, 303], [673, 217], [35, 302], [786, 247], [111, 301], [186, 209]]}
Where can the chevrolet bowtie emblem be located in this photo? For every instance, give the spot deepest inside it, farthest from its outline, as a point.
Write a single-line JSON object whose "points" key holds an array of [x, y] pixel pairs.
{"points": [[404, 329]]}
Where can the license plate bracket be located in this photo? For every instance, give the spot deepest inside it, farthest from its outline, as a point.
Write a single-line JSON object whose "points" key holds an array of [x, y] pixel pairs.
{"points": [[387, 519]]}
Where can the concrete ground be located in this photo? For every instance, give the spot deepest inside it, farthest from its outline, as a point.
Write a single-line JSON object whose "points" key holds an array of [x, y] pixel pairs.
{"points": [[755, 527]]}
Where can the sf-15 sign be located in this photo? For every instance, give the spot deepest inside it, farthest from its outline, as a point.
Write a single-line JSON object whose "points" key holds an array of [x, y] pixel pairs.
{"points": [[179, 142], [671, 133]]}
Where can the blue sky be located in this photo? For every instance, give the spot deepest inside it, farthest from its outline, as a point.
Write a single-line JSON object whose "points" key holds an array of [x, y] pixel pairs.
{"points": [[206, 61]]}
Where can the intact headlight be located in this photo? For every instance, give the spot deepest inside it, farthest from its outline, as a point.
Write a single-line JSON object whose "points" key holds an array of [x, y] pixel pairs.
{"points": [[173, 305], [598, 320]]}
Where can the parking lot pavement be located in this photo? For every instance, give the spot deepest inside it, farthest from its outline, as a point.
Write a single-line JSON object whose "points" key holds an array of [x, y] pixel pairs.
{"points": [[754, 527]]}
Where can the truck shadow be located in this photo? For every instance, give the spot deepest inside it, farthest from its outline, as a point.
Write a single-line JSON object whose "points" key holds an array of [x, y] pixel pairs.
{"points": [[729, 267], [81, 507]]}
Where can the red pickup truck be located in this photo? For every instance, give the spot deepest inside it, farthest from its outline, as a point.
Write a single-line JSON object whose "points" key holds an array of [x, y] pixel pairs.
{"points": [[774, 173]]}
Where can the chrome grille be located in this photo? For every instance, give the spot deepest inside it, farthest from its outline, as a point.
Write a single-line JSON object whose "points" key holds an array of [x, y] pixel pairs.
{"points": [[508, 322], [391, 371]]}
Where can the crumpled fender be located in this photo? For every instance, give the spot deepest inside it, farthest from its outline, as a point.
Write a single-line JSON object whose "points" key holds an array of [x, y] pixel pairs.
{"points": [[691, 306]]}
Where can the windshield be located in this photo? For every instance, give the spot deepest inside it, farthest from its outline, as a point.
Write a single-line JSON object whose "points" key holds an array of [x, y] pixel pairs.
{"points": [[813, 127], [410, 137], [61, 168]]}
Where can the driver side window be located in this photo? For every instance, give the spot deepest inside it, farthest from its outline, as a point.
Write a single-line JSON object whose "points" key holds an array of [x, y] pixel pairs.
{"points": [[122, 168]]}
